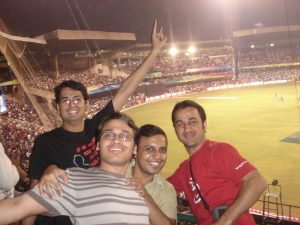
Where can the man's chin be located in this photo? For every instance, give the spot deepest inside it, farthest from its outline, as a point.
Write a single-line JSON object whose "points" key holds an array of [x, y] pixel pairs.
{"points": [[190, 145], [154, 170]]}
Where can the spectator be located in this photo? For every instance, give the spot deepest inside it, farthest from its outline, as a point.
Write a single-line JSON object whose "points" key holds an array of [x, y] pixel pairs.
{"points": [[215, 176], [158, 193], [117, 203]]}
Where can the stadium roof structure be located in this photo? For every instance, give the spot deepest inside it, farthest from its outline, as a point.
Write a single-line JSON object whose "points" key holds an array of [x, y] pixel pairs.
{"points": [[192, 20], [76, 25], [76, 40], [183, 20], [279, 35], [199, 44], [94, 41]]}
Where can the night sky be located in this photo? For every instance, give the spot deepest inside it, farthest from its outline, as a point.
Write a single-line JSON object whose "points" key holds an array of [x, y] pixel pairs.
{"points": [[183, 20]]}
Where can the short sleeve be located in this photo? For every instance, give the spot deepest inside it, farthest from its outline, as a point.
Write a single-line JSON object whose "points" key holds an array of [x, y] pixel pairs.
{"points": [[169, 202], [232, 164], [61, 205]]}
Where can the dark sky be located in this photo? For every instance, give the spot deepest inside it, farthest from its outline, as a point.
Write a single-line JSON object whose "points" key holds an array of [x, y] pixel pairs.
{"points": [[182, 20]]}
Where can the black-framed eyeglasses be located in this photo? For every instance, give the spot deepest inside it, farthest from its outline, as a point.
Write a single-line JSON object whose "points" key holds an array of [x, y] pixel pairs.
{"points": [[67, 100], [123, 136]]}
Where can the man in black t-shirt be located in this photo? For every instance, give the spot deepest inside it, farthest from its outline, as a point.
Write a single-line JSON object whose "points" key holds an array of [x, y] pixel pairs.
{"points": [[74, 144]]}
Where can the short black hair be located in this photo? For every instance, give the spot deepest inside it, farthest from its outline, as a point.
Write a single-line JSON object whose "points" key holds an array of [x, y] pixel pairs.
{"points": [[73, 85], [149, 130], [189, 103], [119, 116]]}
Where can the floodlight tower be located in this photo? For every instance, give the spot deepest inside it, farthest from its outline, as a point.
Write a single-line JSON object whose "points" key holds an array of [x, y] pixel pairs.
{"points": [[231, 23]]}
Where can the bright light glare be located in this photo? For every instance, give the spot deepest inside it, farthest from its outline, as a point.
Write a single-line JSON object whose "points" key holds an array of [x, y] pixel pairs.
{"points": [[272, 45], [191, 50], [252, 46], [173, 51]]}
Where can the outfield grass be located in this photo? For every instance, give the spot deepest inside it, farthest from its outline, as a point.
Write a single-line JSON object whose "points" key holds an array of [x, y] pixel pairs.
{"points": [[252, 119]]}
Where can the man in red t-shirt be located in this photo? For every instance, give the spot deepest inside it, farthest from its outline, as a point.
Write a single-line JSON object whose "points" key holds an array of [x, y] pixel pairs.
{"points": [[215, 175]]}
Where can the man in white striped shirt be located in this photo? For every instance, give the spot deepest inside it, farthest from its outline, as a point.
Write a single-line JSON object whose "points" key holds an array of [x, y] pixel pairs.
{"points": [[95, 195]]}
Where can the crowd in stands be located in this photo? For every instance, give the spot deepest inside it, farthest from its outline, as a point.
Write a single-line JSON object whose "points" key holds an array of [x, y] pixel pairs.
{"points": [[96, 104], [137, 99], [21, 111], [290, 74], [267, 56], [173, 65], [167, 67], [47, 80], [19, 127]]}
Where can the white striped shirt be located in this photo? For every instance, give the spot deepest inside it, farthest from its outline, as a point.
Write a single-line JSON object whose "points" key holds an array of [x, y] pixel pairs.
{"points": [[94, 196]]}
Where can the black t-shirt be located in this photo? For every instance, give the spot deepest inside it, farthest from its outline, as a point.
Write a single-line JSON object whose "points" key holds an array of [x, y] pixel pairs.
{"points": [[67, 149]]}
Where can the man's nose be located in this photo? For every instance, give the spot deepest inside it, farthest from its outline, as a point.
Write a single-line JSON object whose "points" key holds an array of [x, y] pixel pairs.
{"points": [[116, 138], [71, 103], [157, 154], [186, 126]]}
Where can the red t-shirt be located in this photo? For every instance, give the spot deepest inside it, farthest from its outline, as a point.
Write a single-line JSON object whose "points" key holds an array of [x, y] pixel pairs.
{"points": [[217, 169]]}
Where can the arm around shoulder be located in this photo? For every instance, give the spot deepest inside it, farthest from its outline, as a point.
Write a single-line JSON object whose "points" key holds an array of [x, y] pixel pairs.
{"points": [[165, 199], [15, 209], [157, 216]]}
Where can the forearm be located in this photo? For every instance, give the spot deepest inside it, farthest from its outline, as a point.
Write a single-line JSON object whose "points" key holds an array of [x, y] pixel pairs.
{"points": [[9, 211], [28, 220], [157, 217], [130, 84], [15, 209], [253, 185]]}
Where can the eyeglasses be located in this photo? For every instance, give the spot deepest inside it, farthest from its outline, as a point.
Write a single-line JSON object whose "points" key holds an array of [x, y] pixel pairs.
{"points": [[67, 100], [123, 136]]}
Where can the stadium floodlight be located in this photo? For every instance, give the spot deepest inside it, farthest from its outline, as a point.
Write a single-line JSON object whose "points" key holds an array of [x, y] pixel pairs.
{"points": [[173, 51], [252, 46], [191, 50], [272, 45]]}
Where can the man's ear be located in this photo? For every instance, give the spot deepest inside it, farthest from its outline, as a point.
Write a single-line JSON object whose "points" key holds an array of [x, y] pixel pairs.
{"points": [[57, 108], [87, 106], [98, 146], [204, 125], [134, 150]]}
